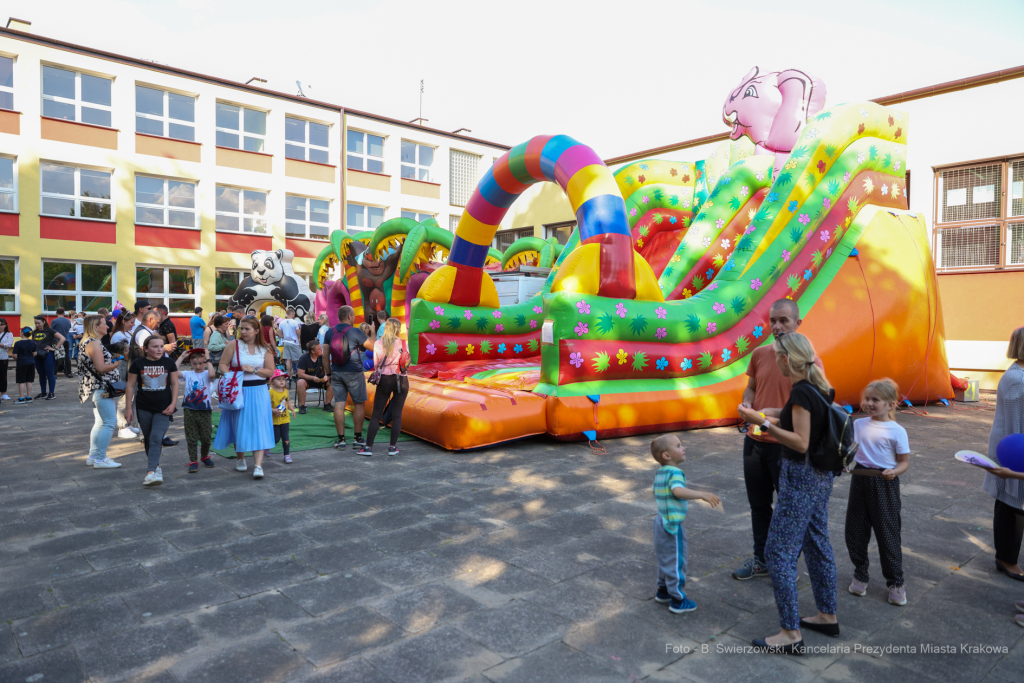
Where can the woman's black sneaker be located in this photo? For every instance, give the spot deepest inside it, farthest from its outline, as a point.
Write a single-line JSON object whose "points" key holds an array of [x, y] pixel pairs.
{"points": [[41, 394], [50, 397], [392, 450]]}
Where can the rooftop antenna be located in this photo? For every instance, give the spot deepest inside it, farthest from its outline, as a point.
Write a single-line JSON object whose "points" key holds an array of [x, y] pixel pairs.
{"points": [[421, 102], [301, 93]]}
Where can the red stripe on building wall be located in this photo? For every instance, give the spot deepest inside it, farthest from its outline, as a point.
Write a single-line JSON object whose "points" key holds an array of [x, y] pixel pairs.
{"points": [[243, 244], [175, 238], [14, 326], [9, 224], [77, 230], [306, 248]]}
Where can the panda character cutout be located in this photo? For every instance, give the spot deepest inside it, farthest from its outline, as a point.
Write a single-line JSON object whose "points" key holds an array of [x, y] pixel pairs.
{"points": [[272, 280]]}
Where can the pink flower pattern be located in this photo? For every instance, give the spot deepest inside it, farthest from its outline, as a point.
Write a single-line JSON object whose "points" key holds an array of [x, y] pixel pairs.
{"points": [[824, 235], [713, 286], [499, 327], [620, 310], [496, 313], [827, 203], [434, 324], [581, 329], [804, 219], [584, 307], [660, 312], [660, 333], [755, 284], [468, 315], [438, 310], [431, 348], [719, 308], [576, 359], [533, 324], [785, 255], [538, 309], [712, 328]]}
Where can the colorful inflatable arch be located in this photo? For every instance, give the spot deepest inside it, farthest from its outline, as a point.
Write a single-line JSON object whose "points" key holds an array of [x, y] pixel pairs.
{"points": [[649, 315]]}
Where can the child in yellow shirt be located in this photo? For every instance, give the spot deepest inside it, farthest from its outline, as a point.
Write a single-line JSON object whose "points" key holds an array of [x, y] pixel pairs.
{"points": [[282, 411]]}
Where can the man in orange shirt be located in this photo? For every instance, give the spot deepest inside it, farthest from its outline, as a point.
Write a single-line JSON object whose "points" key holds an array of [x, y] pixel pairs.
{"points": [[767, 391]]}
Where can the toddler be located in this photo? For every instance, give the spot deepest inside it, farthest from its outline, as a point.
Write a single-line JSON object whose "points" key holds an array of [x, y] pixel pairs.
{"points": [[874, 502], [197, 406], [282, 406], [671, 494]]}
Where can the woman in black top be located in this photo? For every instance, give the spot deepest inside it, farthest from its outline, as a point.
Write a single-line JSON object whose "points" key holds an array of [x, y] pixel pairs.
{"points": [[800, 520], [47, 340]]}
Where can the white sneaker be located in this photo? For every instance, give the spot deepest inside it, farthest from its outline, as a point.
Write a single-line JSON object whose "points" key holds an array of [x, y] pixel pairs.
{"points": [[257, 472], [153, 479], [5, 397], [138, 432], [127, 433], [107, 464], [240, 467], [90, 461]]}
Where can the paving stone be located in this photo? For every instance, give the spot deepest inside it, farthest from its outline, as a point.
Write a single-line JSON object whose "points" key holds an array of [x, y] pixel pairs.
{"points": [[260, 576], [74, 541], [108, 516], [446, 505], [8, 646], [339, 636], [633, 646], [267, 524], [630, 576], [193, 563], [24, 531], [336, 530], [402, 571], [215, 534], [442, 655], [499, 577], [337, 509], [251, 616], [513, 628], [580, 522], [267, 660], [389, 498], [101, 584], [327, 559], [47, 569], [559, 563], [462, 527], [388, 520], [405, 540], [723, 664], [859, 668], [354, 669], [526, 537], [143, 649], [327, 594], [424, 608], [177, 597], [24, 601], [59, 666], [56, 511], [149, 527], [554, 662], [1011, 667], [54, 629], [129, 553], [264, 547], [581, 600]]}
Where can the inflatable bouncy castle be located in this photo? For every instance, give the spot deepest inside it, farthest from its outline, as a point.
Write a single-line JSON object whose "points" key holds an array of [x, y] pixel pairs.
{"points": [[651, 310]]}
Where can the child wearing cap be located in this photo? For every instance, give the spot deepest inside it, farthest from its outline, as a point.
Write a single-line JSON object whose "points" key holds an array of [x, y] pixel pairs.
{"points": [[197, 406], [282, 411], [24, 351]]}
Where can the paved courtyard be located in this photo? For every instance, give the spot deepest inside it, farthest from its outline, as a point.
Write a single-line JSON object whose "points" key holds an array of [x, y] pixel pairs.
{"points": [[529, 562]]}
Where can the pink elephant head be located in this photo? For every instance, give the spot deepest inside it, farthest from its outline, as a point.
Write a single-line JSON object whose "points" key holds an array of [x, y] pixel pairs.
{"points": [[771, 108]]}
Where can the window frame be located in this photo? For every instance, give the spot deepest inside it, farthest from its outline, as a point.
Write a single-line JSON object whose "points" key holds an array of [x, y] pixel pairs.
{"points": [[457, 185], [418, 216], [307, 146], [166, 297], [241, 272], [366, 156], [240, 131], [77, 102], [166, 119], [1005, 220], [14, 190], [525, 231], [166, 207], [366, 216], [77, 197], [242, 215], [9, 89], [78, 292], [551, 230], [16, 292], [416, 165], [307, 222]]}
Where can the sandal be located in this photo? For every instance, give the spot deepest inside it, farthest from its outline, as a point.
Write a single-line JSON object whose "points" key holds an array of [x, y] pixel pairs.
{"points": [[1004, 570]]}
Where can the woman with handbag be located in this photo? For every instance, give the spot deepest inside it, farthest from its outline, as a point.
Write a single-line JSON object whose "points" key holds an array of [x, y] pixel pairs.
{"points": [[99, 380], [391, 360], [246, 418]]}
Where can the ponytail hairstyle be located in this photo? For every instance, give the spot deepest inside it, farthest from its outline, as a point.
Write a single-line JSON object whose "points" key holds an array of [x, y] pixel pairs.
{"points": [[885, 389], [798, 349], [89, 328], [391, 330]]}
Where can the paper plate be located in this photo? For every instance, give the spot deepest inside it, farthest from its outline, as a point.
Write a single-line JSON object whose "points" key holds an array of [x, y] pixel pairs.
{"points": [[975, 458]]}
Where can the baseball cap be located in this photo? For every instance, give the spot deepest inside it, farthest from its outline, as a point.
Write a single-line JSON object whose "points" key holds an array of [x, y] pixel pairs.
{"points": [[26, 330]]}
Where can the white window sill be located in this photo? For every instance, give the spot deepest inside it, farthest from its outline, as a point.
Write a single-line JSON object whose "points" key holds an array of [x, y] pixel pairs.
{"points": [[168, 227], [79, 218], [242, 232], [15, 212]]}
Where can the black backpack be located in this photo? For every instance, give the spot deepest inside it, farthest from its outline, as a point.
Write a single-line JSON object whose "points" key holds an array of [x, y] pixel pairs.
{"points": [[134, 349], [836, 449]]}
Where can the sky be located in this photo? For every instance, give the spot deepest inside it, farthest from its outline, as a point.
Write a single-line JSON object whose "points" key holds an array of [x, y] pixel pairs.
{"points": [[620, 77]]}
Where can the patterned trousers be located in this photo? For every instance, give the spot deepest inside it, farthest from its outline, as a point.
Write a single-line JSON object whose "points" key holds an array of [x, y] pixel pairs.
{"points": [[875, 505], [198, 430], [800, 522]]}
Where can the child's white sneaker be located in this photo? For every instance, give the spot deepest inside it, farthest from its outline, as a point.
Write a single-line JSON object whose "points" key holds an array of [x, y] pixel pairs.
{"points": [[898, 596], [126, 434], [153, 479], [257, 472], [240, 467], [108, 464]]}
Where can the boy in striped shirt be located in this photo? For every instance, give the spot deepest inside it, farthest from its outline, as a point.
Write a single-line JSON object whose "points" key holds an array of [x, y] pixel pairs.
{"points": [[671, 494]]}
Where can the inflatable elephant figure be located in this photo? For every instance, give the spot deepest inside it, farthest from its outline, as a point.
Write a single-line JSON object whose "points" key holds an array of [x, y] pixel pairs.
{"points": [[772, 108]]}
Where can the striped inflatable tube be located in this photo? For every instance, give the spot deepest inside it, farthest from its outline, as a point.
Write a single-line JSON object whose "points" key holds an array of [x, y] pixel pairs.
{"points": [[592, 191]]}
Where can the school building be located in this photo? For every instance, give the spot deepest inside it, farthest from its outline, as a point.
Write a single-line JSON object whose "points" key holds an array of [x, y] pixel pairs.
{"points": [[121, 178]]}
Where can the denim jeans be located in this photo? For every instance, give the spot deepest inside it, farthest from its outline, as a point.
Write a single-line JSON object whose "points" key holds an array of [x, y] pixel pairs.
{"points": [[154, 429], [105, 410], [44, 366]]}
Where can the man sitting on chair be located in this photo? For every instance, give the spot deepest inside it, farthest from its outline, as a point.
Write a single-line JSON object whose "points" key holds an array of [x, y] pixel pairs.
{"points": [[311, 375]]}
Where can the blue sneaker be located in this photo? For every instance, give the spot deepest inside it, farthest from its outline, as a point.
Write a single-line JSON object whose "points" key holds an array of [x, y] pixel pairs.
{"points": [[662, 596], [680, 606]]}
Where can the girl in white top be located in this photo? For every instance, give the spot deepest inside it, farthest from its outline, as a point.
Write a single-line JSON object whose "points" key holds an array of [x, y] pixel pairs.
{"points": [[6, 344], [874, 502]]}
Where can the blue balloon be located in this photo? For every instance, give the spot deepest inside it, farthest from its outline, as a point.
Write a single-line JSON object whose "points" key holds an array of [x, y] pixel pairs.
{"points": [[367, 364], [1010, 452]]}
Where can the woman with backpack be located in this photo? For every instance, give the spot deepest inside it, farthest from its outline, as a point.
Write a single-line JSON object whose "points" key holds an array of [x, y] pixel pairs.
{"points": [[391, 360], [800, 520]]}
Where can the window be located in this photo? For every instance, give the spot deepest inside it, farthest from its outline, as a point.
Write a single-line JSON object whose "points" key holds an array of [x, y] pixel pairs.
{"points": [[241, 128], [416, 161], [462, 172], [453, 222], [227, 283], [78, 286], [418, 217], [362, 217], [504, 239], [977, 224], [560, 231], [305, 217], [76, 96], [165, 202], [306, 140], [8, 186], [8, 285], [365, 152], [241, 209], [165, 114], [172, 287], [6, 83], [75, 192]]}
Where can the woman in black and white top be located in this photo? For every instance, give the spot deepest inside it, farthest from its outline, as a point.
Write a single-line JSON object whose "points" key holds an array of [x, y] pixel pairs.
{"points": [[96, 369], [6, 344]]}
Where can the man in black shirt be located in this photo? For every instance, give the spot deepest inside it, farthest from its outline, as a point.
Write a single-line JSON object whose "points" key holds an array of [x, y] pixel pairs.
{"points": [[167, 330], [312, 374], [62, 324]]}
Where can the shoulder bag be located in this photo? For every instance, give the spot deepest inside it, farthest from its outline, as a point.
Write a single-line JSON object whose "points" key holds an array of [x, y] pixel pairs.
{"points": [[229, 386]]}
